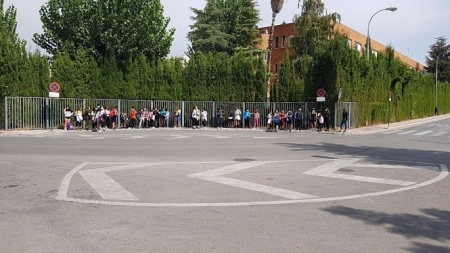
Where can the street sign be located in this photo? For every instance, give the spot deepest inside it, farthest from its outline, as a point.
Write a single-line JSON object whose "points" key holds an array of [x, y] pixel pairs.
{"points": [[321, 93], [320, 99], [54, 87], [53, 94]]}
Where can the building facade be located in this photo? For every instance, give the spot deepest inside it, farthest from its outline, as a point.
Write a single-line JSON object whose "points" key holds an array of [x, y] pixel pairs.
{"points": [[284, 32]]}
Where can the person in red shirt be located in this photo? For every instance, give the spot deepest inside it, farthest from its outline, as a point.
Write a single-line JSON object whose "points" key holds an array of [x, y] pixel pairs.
{"points": [[133, 113]]}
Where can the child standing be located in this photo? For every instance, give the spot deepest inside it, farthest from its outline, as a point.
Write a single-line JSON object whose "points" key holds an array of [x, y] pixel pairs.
{"points": [[256, 119]]}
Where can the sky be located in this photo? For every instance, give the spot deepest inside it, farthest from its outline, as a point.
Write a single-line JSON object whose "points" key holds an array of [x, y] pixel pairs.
{"points": [[410, 30]]}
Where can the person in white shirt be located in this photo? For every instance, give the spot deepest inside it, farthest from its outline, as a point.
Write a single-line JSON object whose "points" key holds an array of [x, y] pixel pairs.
{"points": [[195, 117], [237, 117], [204, 117], [67, 117]]}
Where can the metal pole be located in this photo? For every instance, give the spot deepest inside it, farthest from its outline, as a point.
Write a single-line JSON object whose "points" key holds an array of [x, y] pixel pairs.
{"points": [[368, 28], [6, 113], [389, 112], [436, 85]]}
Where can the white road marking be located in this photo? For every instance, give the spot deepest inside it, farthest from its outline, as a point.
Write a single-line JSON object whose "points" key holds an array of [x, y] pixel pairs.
{"points": [[327, 170], [393, 132], [86, 138], [216, 177], [62, 194], [105, 186], [439, 134], [176, 137], [218, 137], [408, 132], [423, 133], [266, 137], [134, 137]]}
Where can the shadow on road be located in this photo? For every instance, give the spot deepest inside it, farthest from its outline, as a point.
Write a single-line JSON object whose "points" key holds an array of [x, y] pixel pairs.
{"points": [[432, 224], [376, 154]]}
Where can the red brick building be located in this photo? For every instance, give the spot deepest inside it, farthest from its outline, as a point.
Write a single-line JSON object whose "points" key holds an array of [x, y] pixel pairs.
{"points": [[356, 40]]}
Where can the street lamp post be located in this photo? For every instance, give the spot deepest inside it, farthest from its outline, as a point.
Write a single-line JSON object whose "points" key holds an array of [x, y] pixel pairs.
{"points": [[392, 9]]}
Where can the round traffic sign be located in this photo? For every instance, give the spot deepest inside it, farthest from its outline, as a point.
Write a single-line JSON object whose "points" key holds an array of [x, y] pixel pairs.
{"points": [[54, 87], [321, 93]]}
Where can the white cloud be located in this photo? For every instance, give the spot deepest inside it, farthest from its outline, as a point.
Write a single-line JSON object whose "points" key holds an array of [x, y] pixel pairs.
{"points": [[412, 27]]}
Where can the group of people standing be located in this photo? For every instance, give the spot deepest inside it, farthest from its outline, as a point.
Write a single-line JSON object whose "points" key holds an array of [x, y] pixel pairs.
{"points": [[102, 118]]}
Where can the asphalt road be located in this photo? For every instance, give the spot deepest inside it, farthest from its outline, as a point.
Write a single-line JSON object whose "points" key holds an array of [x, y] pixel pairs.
{"points": [[226, 191]]}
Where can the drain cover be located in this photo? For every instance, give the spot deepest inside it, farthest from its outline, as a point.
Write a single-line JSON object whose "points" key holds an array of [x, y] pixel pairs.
{"points": [[244, 160]]}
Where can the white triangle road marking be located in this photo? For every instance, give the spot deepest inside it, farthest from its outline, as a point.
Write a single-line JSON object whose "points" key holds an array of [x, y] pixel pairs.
{"points": [[216, 176], [327, 170], [105, 186]]}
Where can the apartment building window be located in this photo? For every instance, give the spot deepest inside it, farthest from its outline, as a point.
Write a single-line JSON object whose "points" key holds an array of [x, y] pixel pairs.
{"points": [[349, 42], [266, 55], [283, 41], [276, 42], [290, 40], [276, 68], [375, 53], [358, 46]]}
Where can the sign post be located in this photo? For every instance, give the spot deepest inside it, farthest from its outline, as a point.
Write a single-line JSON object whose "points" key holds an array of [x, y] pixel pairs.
{"points": [[54, 89], [321, 97], [389, 107]]}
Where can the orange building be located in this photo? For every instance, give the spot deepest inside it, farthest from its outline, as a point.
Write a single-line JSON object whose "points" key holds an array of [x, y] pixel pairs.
{"points": [[356, 40]]}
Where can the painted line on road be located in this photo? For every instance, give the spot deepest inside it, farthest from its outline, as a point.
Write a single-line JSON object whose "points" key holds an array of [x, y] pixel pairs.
{"points": [[327, 170], [408, 132], [393, 132], [439, 134], [423, 133], [216, 176], [444, 171]]}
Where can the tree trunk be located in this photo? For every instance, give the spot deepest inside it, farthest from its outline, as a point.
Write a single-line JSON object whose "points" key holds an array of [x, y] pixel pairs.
{"points": [[269, 56]]}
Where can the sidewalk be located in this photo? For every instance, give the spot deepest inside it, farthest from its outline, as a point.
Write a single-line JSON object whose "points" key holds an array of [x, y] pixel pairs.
{"points": [[355, 131], [395, 126]]}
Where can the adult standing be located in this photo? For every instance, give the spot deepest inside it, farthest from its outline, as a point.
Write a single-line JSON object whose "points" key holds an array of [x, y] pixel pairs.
{"points": [[78, 118], [344, 122], [237, 117], [327, 118], [219, 118], [313, 119], [298, 119], [195, 117], [67, 117], [247, 118], [113, 116], [133, 118]]}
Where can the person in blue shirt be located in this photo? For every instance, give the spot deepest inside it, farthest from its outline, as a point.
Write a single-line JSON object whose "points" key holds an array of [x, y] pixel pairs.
{"points": [[247, 119]]}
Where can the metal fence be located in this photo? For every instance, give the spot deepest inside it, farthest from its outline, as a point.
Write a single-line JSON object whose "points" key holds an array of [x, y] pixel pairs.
{"points": [[36, 113], [353, 114]]}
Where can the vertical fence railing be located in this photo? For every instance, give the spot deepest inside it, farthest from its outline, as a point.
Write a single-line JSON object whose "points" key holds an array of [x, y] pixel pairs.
{"points": [[353, 114], [31, 113]]}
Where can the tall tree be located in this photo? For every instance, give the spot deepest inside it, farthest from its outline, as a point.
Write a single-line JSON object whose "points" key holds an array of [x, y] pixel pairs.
{"points": [[276, 5], [442, 50], [314, 26], [105, 28], [224, 26]]}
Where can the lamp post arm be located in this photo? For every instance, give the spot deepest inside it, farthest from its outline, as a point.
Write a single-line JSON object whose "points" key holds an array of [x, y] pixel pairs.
{"points": [[368, 28], [368, 33]]}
